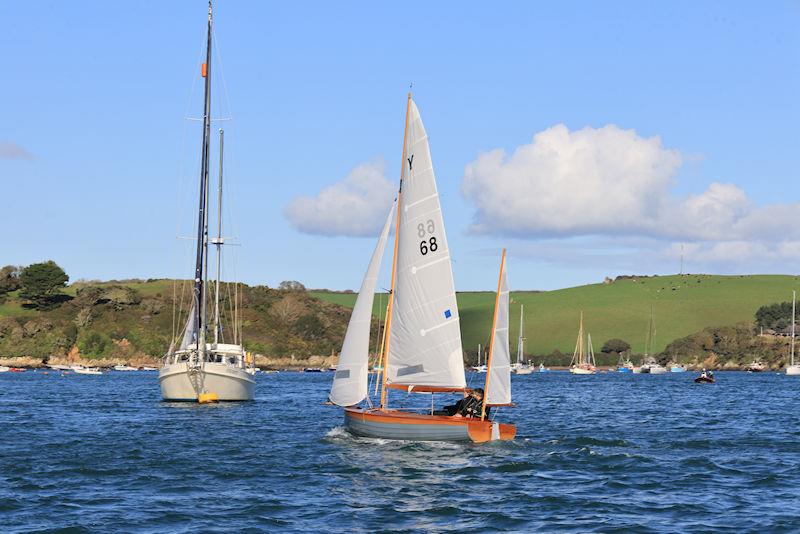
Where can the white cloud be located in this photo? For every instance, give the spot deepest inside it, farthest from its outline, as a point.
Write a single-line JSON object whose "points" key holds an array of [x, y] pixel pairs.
{"points": [[609, 181], [591, 181], [356, 206], [592, 187], [11, 150]]}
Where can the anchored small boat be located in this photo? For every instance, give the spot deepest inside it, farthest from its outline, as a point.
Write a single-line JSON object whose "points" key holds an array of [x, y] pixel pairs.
{"points": [[675, 367], [422, 340], [125, 368], [649, 364], [4, 369], [87, 370], [520, 367], [583, 360], [198, 368]]}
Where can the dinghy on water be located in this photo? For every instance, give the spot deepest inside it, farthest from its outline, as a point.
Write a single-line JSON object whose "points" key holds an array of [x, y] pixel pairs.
{"points": [[422, 343], [197, 369]]}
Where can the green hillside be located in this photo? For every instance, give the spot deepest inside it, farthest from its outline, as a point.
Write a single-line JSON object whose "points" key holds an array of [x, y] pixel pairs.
{"points": [[134, 318], [683, 304]]}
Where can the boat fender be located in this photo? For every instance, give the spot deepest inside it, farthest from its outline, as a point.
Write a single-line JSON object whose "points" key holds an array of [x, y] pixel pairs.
{"points": [[205, 398]]}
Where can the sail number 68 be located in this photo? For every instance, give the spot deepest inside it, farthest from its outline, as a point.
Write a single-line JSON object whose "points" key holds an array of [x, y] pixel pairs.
{"points": [[430, 244]]}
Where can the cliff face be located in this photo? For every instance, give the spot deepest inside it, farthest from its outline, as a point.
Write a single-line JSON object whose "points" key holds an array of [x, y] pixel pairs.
{"points": [[134, 321]]}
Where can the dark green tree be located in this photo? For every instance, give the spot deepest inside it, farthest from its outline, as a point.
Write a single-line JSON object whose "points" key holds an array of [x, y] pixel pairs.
{"points": [[615, 345], [41, 284], [775, 316]]}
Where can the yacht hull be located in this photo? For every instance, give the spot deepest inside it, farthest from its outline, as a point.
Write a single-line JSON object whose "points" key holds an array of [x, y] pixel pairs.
{"points": [[793, 370], [229, 383], [393, 424], [581, 371]]}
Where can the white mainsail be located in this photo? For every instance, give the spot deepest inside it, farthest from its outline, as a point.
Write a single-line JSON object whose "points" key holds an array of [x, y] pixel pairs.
{"points": [[498, 390], [351, 376], [190, 331], [425, 339]]}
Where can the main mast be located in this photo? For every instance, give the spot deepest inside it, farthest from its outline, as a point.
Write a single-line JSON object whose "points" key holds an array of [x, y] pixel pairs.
{"points": [[388, 328], [202, 216], [218, 241]]}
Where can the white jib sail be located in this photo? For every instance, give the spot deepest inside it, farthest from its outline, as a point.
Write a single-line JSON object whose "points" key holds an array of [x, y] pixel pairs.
{"points": [[499, 389], [351, 376], [425, 339]]}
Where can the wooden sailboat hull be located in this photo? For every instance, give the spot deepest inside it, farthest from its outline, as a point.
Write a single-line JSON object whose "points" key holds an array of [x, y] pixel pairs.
{"points": [[393, 424]]}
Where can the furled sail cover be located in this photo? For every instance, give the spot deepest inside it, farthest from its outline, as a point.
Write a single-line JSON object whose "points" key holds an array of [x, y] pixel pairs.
{"points": [[425, 340], [499, 389], [350, 379]]}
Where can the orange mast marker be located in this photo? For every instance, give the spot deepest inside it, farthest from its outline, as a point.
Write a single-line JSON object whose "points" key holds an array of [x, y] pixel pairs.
{"points": [[394, 261], [491, 340]]}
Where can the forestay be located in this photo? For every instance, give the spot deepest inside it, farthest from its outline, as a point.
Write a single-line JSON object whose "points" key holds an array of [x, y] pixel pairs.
{"points": [[425, 338], [350, 380], [498, 389]]}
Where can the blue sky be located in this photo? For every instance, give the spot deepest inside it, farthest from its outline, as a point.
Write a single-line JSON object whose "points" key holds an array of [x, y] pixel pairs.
{"points": [[693, 106]]}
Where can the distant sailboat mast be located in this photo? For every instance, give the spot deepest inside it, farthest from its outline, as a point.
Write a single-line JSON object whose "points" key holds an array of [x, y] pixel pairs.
{"points": [[521, 339], [794, 299]]}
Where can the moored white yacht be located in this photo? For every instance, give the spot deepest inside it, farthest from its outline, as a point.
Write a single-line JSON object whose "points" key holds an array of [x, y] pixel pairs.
{"points": [[199, 369]]}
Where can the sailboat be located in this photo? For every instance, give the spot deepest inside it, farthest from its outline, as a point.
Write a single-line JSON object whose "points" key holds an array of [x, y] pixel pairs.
{"points": [[198, 368], [480, 368], [792, 368], [422, 350], [582, 360], [649, 364], [521, 368], [624, 365]]}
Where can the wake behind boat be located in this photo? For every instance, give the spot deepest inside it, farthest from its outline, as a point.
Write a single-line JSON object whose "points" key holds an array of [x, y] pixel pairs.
{"points": [[422, 344], [197, 369]]}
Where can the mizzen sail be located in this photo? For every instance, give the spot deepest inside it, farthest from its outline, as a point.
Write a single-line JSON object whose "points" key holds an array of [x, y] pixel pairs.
{"points": [[350, 380], [425, 338]]}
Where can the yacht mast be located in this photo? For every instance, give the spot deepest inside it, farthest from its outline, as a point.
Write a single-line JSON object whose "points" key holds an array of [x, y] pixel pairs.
{"points": [[388, 327], [202, 216], [521, 339], [794, 299], [218, 241]]}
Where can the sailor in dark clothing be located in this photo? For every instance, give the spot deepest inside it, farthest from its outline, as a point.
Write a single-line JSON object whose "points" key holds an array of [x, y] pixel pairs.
{"points": [[469, 406]]}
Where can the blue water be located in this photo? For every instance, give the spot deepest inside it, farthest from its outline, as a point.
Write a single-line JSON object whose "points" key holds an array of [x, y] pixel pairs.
{"points": [[604, 453]]}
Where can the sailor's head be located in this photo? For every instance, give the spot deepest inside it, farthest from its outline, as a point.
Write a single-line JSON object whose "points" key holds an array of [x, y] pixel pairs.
{"points": [[477, 393]]}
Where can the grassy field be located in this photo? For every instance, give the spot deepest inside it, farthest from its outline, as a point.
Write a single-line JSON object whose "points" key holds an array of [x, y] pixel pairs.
{"points": [[682, 305]]}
